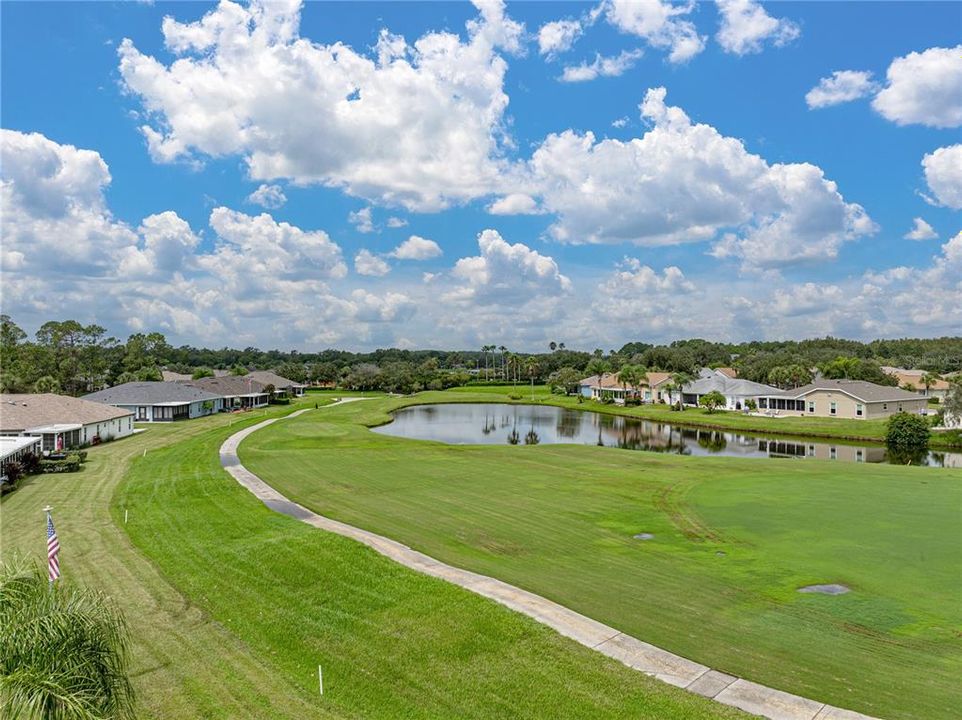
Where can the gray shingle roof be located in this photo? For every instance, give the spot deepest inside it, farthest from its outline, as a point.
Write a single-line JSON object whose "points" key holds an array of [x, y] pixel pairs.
{"points": [[228, 386], [19, 412], [150, 393], [859, 389], [267, 377]]}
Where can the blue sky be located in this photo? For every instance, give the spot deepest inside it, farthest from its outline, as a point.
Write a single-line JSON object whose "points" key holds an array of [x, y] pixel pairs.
{"points": [[736, 204]]}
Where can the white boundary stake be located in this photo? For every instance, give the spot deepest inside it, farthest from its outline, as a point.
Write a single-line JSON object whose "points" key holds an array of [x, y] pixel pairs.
{"points": [[125, 516], [145, 453], [320, 680]]}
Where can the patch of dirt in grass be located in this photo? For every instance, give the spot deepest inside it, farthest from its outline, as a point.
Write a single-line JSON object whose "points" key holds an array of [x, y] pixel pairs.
{"points": [[643, 536], [827, 589]]}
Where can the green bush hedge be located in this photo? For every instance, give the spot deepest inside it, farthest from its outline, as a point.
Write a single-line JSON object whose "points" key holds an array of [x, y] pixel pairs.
{"points": [[71, 463]]}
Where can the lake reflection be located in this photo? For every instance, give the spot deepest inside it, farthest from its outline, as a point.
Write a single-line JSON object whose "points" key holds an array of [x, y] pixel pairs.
{"points": [[500, 424]]}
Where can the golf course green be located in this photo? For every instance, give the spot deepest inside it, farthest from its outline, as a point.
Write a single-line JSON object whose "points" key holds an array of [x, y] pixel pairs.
{"points": [[233, 607], [733, 541]]}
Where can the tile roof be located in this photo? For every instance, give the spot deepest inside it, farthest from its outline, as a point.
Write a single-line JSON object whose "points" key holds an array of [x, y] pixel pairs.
{"points": [[22, 411], [151, 393], [729, 386]]}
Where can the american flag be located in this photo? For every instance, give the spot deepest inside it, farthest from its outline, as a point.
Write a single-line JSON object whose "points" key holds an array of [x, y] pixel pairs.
{"points": [[53, 550]]}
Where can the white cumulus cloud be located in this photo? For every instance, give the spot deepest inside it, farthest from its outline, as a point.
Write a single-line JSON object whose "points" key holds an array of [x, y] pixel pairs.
{"points": [[924, 88], [558, 36], [921, 230], [267, 196], [745, 27], [943, 174], [417, 248], [417, 124], [367, 263], [514, 204], [361, 220], [686, 182], [841, 87], [660, 23]]}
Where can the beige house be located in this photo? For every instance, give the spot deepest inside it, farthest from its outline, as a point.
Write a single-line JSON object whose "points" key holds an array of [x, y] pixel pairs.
{"points": [[854, 399], [599, 387], [911, 380]]}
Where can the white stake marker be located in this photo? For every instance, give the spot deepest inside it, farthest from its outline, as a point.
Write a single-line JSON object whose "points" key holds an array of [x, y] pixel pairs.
{"points": [[320, 680], [125, 516]]}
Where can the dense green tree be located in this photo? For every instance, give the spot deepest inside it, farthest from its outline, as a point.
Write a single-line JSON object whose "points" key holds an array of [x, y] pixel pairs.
{"points": [[201, 372], [712, 400], [565, 380]]}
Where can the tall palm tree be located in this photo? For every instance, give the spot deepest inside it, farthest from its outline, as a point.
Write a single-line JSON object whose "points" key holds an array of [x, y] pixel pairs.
{"points": [[63, 650], [553, 346], [929, 379], [628, 375], [679, 380], [504, 368], [531, 366]]}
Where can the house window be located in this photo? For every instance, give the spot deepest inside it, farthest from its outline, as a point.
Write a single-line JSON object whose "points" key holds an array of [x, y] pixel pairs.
{"points": [[885, 406], [832, 452], [859, 456], [900, 407], [811, 451], [833, 411], [858, 410], [811, 406]]}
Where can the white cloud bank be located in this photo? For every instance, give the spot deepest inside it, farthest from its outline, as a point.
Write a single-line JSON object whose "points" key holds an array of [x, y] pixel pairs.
{"points": [[417, 125], [417, 248], [271, 197], [685, 182]]}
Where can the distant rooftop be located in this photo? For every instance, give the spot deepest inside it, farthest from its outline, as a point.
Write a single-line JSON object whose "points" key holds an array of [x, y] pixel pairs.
{"points": [[151, 393], [19, 412]]}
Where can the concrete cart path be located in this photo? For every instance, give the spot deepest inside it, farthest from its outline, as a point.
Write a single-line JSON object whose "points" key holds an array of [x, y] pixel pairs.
{"points": [[634, 653]]}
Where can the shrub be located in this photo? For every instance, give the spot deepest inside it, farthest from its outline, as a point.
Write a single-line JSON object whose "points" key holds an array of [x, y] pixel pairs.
{"points": [[751, 405], [30, 463], [906, 432], [71, 463], [712, 400], [82, 454], [632, 401], [514, 396], [13, 471]]}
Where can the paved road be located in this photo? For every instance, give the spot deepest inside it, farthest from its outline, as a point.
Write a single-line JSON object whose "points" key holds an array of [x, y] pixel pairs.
{"points": [[634, 653]]}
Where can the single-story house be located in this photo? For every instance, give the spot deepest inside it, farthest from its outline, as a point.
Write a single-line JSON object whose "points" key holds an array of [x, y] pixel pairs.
{"points": [[911, 380], [160, 401], [599, 387], [12, 449], [737, 391], [856, 399], [60, 421], [239, 393], [282, 386]]}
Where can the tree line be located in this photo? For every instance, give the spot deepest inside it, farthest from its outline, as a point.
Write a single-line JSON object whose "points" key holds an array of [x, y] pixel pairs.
{"points": [[72, 358]]}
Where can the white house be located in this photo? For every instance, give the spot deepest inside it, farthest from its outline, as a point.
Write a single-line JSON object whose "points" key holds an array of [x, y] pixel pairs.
{"points": [[60, 421], [737, 392]]}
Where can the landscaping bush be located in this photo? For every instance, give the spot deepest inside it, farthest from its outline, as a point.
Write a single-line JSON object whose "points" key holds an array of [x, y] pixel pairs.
{"points": [[71, 463], [907, 433], [82, 454], [30, 463], [514, 396], [13, 472], [632, 401], [280, 401]]}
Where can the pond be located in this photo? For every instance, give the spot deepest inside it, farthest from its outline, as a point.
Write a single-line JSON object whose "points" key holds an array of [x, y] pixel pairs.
{"points": [[499, 424]]}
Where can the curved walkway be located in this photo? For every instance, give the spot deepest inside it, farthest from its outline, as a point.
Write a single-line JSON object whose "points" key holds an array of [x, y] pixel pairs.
{"points": [[634, 653]]}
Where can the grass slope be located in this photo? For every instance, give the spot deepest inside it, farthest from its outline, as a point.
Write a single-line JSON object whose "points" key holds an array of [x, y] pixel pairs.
{"points": [[261, 600], [558, 520]]}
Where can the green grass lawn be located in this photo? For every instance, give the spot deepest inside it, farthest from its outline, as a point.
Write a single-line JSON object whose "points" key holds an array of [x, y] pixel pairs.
{"points": [[734, 539], [233, 606]]}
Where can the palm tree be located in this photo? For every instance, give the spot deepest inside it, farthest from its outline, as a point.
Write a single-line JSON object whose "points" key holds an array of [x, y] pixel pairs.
{"points": [[679, 380], [929, 379], [553, 345], [504, 367], [531, 365], [629, 375], [561, 346], [46, 384], [63, 650]]}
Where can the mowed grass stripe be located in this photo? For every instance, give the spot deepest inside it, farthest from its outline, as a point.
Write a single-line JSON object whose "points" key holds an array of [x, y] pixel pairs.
{"points": [[393, 643], [184, 664], [558, 520]]}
